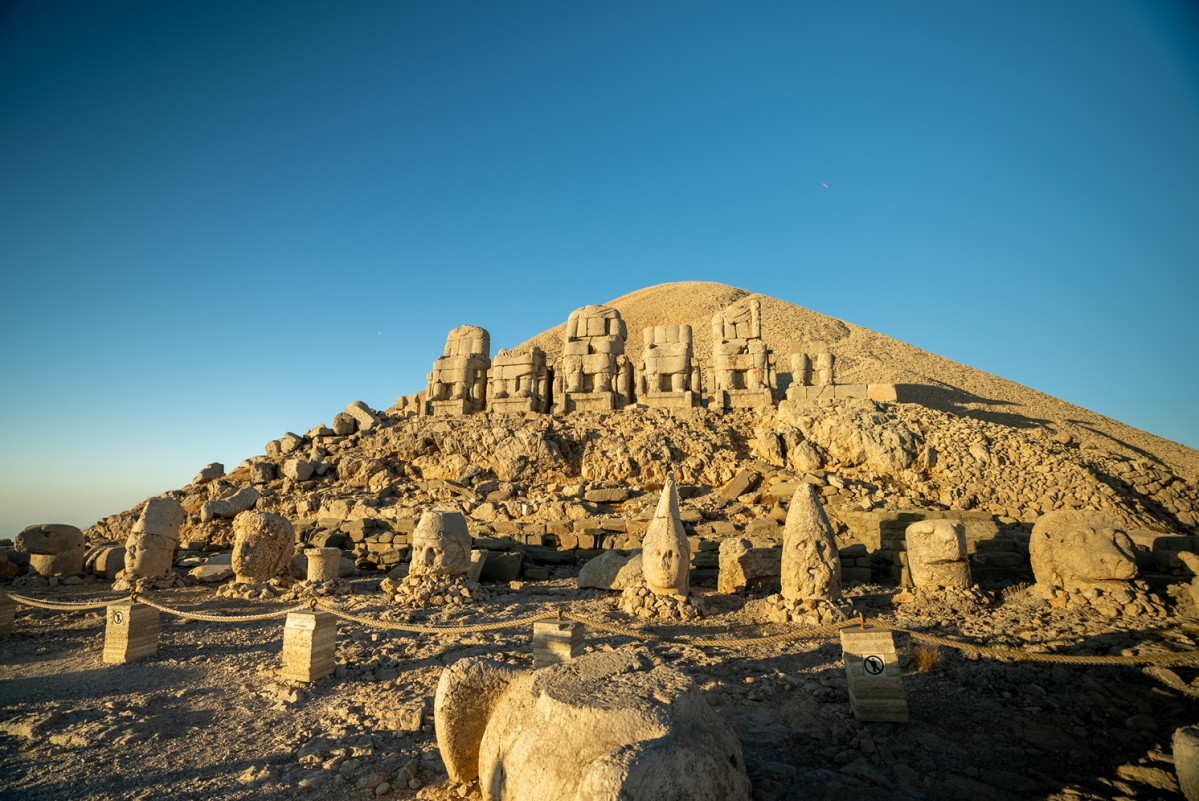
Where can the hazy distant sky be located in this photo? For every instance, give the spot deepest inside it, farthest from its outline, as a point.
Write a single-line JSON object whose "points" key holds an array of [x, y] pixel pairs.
{"points": [[220, 221]]}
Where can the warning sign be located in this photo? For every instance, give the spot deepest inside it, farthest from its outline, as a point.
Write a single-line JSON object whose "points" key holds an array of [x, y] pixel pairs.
{"points": [[873, 665]]}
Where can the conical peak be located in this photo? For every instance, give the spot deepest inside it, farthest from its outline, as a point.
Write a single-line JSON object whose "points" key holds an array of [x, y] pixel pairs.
{"points": [[668, 501]]}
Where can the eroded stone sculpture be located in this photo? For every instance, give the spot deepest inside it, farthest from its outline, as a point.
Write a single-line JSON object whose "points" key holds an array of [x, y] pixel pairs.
{"points": [[593, 374], [743, 367], [810, 567], [668, 376], [458, 381], [150, 546], [937, 554], [1081, 558], [441, 559], [606, 725], [811, 373], [263, 544], [665, 565], [519, 382], [55, 549]]}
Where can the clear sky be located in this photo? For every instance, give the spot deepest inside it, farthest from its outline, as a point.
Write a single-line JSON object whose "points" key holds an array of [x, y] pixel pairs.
{"points": [[220, 221]]}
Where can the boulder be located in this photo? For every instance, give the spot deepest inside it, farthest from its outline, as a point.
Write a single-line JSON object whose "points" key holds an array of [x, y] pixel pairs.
{"points": [[213, 470], [150, 547], [49, 538], [741, 565], [612, 570], [55, 549], [1074, 550], [611, 724], [810, 567], [236, 503], [501, 566], [215, 570], [344, 424], [363, 415], [937, 554], [262, 546], [1186, 760], [297, 469]]}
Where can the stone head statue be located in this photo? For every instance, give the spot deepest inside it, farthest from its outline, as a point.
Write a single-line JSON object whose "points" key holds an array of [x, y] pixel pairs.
{"points": [[150, 546], [665, 552], [440, 545]]}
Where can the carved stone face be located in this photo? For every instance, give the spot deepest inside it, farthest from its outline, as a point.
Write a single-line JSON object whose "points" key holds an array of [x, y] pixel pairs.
{"points": [[440, 545], [150, 546], [664, 571], [665, 555]]}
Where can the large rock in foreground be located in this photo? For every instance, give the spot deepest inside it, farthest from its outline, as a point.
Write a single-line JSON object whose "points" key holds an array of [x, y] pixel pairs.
{"points": [[1075, 550], [609, 725]]}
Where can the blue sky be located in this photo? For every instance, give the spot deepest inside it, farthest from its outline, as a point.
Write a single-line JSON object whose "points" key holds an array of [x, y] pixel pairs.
{"points": [[223, 220]]}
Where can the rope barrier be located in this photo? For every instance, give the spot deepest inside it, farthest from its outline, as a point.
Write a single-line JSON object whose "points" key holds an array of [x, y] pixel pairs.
{"points": [[414, 628], [1019, 655], [58, 606], [1162, 659], [219, 618]]}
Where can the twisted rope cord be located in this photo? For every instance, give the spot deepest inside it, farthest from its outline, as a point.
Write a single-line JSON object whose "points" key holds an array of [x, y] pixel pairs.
{"points": [[218, 618], [718, 642], [415, 628], [58, 605]]}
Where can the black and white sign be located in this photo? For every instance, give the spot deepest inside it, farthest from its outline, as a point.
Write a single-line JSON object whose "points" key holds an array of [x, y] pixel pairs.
{"points": [[873, 665]]}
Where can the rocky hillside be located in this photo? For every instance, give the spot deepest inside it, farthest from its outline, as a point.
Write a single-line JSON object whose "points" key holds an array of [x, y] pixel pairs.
{"points": [[864, 356], [586, 481]]}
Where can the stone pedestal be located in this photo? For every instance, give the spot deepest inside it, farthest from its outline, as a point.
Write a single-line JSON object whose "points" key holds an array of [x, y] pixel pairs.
{"points": [[743, 398], [324, 564], [131, 632], [309, 644], [671, 400], [556, 641], [585, 402], [872, 669], [8, 611]]}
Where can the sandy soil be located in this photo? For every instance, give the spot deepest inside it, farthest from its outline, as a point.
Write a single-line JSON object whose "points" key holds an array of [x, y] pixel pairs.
{"points": [[210, 718]]}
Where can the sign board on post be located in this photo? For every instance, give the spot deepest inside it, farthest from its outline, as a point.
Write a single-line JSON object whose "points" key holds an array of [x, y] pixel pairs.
{"points": [[872, 669]]}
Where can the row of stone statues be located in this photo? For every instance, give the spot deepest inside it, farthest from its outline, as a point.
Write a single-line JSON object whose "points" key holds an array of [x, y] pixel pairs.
{"points": [[595, 374]]}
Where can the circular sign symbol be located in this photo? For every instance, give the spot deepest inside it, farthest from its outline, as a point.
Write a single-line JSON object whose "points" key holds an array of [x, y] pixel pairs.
{"points": [[118, 617], [873, 665]]}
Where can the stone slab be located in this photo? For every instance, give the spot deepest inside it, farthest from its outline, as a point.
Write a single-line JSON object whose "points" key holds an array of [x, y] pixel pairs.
{"points": [[876, 691]]}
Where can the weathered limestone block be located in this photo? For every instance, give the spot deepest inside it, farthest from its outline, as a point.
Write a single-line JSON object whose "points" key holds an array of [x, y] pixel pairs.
{"points": [[667, 376], [593, 373], [937, 554], [262, 546], [1074, 550], [105, 560], [150, 547], [55, 549], [458, 381], [49, 538], [262, 472], [440, 545], [365, 417], [344, 424], [236, 503], [810, 566], [612, 570], [298, 469], [743, 373], [212, 471], [620, 727], [519, 382], [1185, 745], [741, 565], [324, 564]]}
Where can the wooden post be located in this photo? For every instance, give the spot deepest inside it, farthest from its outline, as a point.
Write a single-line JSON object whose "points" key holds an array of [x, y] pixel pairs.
{"points": [[872, 669], [131, 632], [8, 611], [556, 641], [309, 645]]}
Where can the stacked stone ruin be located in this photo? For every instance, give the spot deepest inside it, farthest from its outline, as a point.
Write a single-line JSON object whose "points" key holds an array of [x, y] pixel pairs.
{"points": [[594, 374]]}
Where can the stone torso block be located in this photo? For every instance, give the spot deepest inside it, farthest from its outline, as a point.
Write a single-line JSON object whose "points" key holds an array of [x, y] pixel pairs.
{"points": [[593, 373], [518, 382], [742, 366], [458, 381], [667, 376]]}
